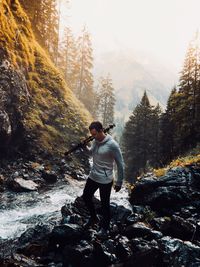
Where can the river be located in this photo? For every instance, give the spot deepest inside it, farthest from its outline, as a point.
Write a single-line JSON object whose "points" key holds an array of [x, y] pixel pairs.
{"points": [[20, 211]]}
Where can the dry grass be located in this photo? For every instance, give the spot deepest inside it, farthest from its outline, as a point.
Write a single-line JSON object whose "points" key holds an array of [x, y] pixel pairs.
{"points": [[193, 158]]}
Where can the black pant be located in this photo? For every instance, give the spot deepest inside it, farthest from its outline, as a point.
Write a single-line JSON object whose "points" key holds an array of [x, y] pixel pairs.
{"points": [[105, 190]]}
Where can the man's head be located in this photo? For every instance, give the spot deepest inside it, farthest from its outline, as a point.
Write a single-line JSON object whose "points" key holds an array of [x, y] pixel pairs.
{"points": [[96, 130]]}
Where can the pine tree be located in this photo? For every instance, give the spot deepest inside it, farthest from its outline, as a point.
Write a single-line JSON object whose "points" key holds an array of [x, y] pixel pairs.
{"points": [[84, 86], [106, 100], [167, 131], [43, 15], [129, 149], [189, 96], [154, 148], [68, 59], [179, 130], [48, 27], [97, 99], [138, 145]]}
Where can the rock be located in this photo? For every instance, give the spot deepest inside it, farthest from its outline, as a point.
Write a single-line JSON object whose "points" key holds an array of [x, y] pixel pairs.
{"points": [[179, 253], [34, 242], [16, 174], [22, 185], [161, 223], [66, 210], [21, 260], [119, 213], [78, 207], [5, 130], [2, 181], [66, 234], [180, 228], [133, 218], [101, 256], [37, 249], [164, 192], [14, 100], [49, 176], [37, 167], [139, 229], [79, 255], [145, 253], [26, 176], [195, 170], [123, 249], [78, 174], [165, 197], [39, 233], [74, 218]]}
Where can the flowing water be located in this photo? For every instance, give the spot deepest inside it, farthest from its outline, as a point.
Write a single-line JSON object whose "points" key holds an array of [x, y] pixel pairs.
{"points": [[20, 211]]}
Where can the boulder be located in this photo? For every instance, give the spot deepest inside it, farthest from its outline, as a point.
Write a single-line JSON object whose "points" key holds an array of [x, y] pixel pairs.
{"points": [[145, 253], [2, 181], [22, 185], [49, 176], [160, 193], [66, 234], [179, 253], [123, 249], [79, 254]]}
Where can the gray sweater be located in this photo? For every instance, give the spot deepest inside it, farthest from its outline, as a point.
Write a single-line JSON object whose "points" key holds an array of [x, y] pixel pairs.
{"points": [[104, 154]]}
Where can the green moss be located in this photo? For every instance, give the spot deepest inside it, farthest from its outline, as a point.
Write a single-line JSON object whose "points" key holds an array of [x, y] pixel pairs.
{"points": [[13, 35], [54, 116]]}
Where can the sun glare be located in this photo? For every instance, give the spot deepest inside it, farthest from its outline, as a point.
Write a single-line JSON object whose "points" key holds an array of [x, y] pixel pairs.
{"points": [[158, 27]]}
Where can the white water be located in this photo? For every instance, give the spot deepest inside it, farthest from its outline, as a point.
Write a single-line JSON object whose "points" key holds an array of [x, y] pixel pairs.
{"points": [[24, 210]]}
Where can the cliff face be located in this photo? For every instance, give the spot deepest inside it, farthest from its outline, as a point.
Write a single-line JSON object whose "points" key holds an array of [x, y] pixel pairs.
{"points": [[37, 109]]}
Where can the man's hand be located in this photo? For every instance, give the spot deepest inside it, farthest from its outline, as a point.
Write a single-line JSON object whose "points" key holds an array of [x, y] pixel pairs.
{"points": [[117, 188]]}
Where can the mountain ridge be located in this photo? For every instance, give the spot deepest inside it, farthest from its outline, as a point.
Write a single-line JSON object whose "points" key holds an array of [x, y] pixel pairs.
{"points": [[133, 74]]}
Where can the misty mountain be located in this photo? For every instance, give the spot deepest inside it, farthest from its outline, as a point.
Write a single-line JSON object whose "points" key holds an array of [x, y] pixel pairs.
{"points": [[132, 74]]}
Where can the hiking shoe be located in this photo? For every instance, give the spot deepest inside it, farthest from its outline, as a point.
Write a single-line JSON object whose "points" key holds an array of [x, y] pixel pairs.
{"points": [[103, 233], [91, 222]]}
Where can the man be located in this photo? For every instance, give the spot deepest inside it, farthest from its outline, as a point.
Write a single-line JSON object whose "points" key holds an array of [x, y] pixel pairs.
{"points": [[105, 151]]}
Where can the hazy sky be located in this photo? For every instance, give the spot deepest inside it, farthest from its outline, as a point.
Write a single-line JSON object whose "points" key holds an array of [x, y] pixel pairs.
{"points": [[162, 28]]}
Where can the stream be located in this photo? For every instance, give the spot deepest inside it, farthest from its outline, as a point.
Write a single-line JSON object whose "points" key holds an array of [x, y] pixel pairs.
{"points": [[20, 211]]}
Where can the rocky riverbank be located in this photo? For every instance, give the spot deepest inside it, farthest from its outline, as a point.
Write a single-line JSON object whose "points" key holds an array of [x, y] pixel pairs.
{"points": [[25, 175], [161, 228]]}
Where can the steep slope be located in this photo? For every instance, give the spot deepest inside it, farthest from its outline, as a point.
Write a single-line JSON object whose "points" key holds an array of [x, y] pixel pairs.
{"points": [[37, 110]]}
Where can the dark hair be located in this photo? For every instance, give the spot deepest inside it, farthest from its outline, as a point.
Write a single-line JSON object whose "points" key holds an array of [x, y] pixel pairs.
{"points": [[97, 125]]}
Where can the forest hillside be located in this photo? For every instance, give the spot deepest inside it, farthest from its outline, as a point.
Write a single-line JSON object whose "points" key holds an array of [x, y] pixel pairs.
{"points": [[38, 110]]}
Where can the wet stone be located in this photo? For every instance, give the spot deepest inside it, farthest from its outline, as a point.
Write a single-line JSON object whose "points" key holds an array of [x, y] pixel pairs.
{"points": [[22, 185], [66, 233], [123, 249], [179, 253], [139, 229], [49, 176]]}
